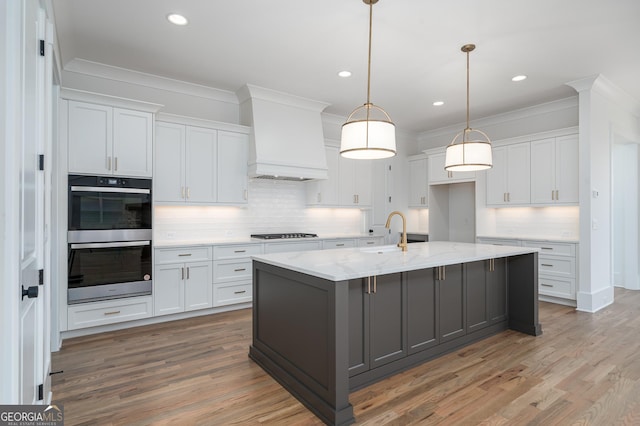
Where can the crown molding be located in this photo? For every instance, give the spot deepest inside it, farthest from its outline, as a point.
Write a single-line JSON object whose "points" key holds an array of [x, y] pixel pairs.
{"points": [[113, 101], [547, 107], [250, 91], [109, 72], [600, 84], [201, 122]]}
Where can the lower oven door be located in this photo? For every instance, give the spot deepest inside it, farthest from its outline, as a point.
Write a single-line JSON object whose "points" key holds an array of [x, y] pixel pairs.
{"points": [[100, 271]]}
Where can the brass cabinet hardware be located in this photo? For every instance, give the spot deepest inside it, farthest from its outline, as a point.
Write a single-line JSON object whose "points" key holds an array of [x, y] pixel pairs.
{"points": [[112, 313]]}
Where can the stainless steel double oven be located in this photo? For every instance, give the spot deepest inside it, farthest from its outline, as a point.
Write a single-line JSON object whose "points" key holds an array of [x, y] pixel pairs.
{"points": [[109, 238]]}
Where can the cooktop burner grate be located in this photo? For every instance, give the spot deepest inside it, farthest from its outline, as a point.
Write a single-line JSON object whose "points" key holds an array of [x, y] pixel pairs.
{"points": [[285, 235]]}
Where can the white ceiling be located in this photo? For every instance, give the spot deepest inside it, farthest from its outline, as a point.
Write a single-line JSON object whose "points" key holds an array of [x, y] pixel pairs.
{"points": [[298, 46]]}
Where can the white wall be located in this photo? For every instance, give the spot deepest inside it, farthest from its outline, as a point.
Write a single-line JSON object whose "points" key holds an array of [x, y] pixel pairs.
{"points": [[605, 111]]}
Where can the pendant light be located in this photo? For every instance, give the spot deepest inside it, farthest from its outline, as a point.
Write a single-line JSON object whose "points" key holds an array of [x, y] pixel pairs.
{"points": [[368, 133], [469, 154]]}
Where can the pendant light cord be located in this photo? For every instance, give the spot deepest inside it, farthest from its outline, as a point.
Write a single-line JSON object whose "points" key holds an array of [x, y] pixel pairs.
{"points": [[468, 128], [369, 60]]}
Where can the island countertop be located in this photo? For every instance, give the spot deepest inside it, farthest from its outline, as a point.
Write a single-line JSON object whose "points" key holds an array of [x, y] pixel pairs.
{"points": [[349, 263]]}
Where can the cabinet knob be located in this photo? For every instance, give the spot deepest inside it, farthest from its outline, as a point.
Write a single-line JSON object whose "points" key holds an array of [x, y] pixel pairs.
{"points": [[31, 292]]}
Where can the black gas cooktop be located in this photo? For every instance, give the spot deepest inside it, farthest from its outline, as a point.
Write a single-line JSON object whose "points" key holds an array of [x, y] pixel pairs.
{"points": [[285, 235]]}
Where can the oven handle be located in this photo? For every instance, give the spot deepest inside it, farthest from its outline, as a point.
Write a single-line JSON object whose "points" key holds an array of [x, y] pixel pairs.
{"points": [[109, 245], [109, 189]]}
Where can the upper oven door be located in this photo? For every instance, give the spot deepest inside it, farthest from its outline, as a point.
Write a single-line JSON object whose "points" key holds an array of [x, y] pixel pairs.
{"points": [[121, 207]]}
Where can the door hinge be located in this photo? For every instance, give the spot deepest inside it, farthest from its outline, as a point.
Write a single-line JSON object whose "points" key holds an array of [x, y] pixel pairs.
{"points": [[40, 392], [41, 162], [41, 276], [41, 47]]}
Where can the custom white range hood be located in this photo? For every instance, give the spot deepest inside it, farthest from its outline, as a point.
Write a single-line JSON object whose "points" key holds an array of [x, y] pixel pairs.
{"points": [[287, 140]]}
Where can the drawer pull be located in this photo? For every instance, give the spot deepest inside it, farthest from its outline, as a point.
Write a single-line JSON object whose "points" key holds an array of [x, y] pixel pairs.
{"points": [[546, 285], [112, 313], [546, 248], [240, 292], [239, 269], [370, 242], [340, 245], [184, 254], [546, 264], [239, 251]]}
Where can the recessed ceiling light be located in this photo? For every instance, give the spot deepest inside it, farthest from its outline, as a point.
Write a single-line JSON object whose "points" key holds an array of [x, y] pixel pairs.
{"points": [[344, 74], [438, 103], [177, 19], [519, 78]]}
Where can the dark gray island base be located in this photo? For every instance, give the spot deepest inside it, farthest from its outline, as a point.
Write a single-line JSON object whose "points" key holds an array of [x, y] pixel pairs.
{"points": [[322, 339]]}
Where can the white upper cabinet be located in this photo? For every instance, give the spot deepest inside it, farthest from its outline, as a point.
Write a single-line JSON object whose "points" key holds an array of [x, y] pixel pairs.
{"points": [[437, 173], [418, 184], [554, 168], [355, 182], [508, 181], [106, 140], [324, 192], [198, 165]]}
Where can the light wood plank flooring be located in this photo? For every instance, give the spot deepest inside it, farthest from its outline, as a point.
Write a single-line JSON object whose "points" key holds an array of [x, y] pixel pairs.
{"points": [[584, 370]]}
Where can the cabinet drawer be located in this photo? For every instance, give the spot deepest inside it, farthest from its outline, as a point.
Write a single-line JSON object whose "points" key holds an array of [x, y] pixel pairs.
{"points": [[182, 254], [564, 288], [338, 243], [228, 294], [230, 252], [109, 312], [292, 246], [231, 271], [556, 249], [499, 242], [370, 242], [557, 266]]}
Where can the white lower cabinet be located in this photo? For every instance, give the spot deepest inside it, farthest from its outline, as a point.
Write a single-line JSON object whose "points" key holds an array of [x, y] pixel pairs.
{"points": [[338, 243], [183, 280], [232, 277], [92, 314], [370, 241]]}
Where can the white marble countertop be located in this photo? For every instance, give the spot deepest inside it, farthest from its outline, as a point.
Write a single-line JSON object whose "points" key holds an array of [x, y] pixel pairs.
{"points": [[349, 263]]}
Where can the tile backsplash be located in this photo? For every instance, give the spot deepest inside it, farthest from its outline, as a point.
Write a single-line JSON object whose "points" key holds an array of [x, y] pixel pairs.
{"points": [[274, 206], [540, 222]]}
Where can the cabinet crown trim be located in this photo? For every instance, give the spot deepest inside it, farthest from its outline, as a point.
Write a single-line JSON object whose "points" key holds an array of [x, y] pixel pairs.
{"points": [[108, 100], [201, 122]]}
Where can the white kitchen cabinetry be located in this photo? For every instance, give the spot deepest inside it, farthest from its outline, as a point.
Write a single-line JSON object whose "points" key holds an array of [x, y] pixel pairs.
{"points": [[557, 270], [182, 280], [105, 140], [93, 314], [198, 165], [554, 170], [508, 181], [285, 246], [232, 273], [438, 175], [355, 182], [499, 241], [418, 184], [338, 243], [324, 192]]}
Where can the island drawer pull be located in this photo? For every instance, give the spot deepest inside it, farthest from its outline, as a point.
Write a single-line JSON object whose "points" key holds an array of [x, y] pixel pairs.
{"points": [[239, 269], [546, 285], [368, 285], [240, 292], [112, 313], [184, 254], [375, 284]]}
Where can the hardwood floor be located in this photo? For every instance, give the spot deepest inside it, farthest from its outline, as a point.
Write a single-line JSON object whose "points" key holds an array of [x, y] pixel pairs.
{"points": [[583, 370]]}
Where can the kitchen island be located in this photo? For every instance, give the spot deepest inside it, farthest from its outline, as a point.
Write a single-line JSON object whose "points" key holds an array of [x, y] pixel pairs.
{"points": [[326, 323]]}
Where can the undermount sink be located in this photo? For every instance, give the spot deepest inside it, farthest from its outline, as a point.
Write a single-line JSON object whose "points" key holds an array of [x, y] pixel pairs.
{"points": [[381, 249]]}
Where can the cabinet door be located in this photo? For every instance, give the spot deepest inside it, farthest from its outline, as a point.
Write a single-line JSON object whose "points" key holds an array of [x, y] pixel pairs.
{"points": [[452, 303], [168, 179], [324, 192], [422, 310], [200, 165], [363, 187], [567, 169], [358, 327], [168, 289], [387, 320], [198, 286], [543, 169], [347, 179], [132, 142], [418, 183], [232, 167], [90, 138], [518, 176], [437, 173], [477, 297], [497, 178], [496, 278]]}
